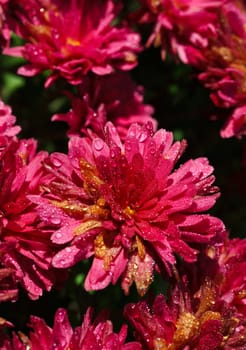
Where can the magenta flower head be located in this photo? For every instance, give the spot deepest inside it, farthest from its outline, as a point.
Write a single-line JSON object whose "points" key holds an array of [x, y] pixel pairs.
{"points": [[96, 335], [231, 273], [184, 27], [72, 38], [188, 321], [122, 203], [206, 308], [25, 247], [211, 36], [224, 263], [224, 73], [113, 97]]}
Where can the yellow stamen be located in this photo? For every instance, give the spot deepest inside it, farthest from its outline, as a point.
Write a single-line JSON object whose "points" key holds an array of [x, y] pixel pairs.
{"points": [[187, 326], [160, 344], [129, 211], [140, 247], [130, 57], [103, 248], [86, 226], [73, 42], [92, 181]]}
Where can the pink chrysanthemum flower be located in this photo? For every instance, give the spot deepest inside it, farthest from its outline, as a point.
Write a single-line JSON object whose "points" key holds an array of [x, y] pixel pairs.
{"points": [[211, 36], [230, 276], [188, 321], [8, 129], [72, 38], [25, 247], [224, 72], [122, 203], [96, 335], [224, 263], [114, 97], [184, 27]]}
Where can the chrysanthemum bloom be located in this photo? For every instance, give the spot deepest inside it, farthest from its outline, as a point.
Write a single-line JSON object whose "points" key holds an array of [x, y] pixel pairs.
{"points": [[72, 38], [225, 73], [184, 27], [211, 36], [230, 276], [114, 97], [202, 321], [25, 246], [121, 203], [8, 129], [225, 55], [96, 335], [224, 263]]}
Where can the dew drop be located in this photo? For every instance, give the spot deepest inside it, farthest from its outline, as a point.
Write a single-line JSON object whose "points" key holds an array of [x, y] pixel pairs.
{"points": [[60, 313], [56, 36], [143, 137], [112, 153], [113, 130], [98, 144], [128, 146], [62, 262], [149, 127], [131, 133], [55, 221], [58, 235], [63, 343], [57, 163]]}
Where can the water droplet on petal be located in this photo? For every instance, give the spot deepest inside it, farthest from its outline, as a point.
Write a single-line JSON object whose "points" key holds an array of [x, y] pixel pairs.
{"points": [[60, 313], [112, 153], [128, 146], [56, 162], [55, 220], [56, 36], [143, 137], [98, 144], [62, 262], [63, 343]]}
